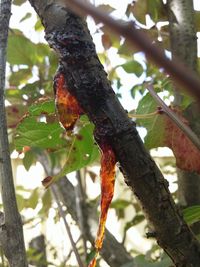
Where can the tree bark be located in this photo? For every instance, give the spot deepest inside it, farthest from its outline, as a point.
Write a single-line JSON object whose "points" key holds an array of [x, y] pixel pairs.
{"points": [[87, 81], [184, 46], [11, 235], [182, 35]]}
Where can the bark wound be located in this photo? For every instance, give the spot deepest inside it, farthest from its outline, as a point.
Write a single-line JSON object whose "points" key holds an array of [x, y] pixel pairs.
{"points": [[107, 174], [69, 111], [67, 106]]}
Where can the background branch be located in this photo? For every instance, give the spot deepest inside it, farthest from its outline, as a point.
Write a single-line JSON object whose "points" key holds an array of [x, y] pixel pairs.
{"points": [[62, 214], [11, 236], [183, 40], [187, 131]]}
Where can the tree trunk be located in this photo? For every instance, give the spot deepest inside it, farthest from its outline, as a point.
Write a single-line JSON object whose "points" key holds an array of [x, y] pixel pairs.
{"points": [[11, 235], [87, 81], [184, 46]]}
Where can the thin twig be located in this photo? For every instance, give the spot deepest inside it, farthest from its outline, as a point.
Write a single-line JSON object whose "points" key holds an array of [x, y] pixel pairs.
{"points": [[184, 76], [142, 116], [187, 131], [62, 214], [79, 203], [12, 239]]}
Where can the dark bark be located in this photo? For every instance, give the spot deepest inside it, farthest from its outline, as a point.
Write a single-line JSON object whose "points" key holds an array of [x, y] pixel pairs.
{"points": [[87, 81], [184, 46], [11, 235]]}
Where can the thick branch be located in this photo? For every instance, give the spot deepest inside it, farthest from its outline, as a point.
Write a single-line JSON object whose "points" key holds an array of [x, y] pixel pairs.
{"points": [[87, 81], [177, 69], [12, 236]]}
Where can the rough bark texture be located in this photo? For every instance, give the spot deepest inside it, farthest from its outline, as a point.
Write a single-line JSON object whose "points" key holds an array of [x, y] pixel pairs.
{"points": [[87, 81], [184, 46], [11, 235], [182, 34]]}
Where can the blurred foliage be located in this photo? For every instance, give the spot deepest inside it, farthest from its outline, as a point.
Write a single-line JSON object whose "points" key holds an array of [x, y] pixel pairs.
{"points": [[33, 124]]}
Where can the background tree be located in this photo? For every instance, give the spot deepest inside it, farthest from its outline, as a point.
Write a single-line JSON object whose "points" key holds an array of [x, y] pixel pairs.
{"points": [[11, 237]]}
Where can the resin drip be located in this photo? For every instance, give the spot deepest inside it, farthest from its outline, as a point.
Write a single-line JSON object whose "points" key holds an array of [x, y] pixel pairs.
{"points": [[67, 106], [107, 174]]}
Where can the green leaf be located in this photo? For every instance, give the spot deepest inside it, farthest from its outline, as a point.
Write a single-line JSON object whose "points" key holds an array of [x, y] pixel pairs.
{"points": [[155, 125], [90, 256], [27, 16], [20, 49], [137, 88], [32, 133], [46, 106], [46, 203], [38, 25], [139, 10], [33, 199], [136, 220], [120, 204], [19, 77], [157, 10], [42, 51], [20, 202], [141, 261], [82, 152], [106, 8], [18, 2], [113, 38], [192, 214], [14, 114], [133, 66], [29, 159]]}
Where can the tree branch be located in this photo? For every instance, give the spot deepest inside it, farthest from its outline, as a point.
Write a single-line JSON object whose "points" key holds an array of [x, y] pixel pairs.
{"points": [[11, 236], [186, 78], [187, 131], [87, 81]]}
